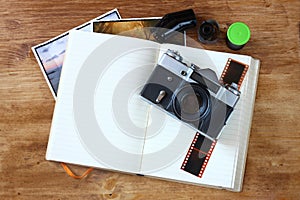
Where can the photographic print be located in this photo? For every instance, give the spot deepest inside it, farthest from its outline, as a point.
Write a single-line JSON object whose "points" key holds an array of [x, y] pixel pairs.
{"points": [[50, 54], [138, 28]]}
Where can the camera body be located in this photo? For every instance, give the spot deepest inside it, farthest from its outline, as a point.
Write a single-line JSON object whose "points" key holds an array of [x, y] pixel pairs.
{"points": [[193, 95]]}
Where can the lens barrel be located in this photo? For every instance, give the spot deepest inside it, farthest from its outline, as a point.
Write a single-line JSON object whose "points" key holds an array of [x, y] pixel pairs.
{"points": [[192, 103]]}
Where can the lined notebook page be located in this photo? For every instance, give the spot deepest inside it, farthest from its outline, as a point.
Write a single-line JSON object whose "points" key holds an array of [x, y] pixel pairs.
{"points": [[85, 128], [225, 163]]}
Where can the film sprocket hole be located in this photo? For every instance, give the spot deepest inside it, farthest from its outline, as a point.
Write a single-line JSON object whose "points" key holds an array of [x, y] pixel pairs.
{"points": [[191, 94]]}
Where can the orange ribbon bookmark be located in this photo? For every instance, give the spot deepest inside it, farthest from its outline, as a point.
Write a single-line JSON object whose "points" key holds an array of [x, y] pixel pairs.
{"points": [[70, 173]]}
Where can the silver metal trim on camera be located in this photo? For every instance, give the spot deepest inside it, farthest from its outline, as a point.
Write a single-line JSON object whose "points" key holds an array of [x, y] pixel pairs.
{"points": [[227, 97], [174, 62]]}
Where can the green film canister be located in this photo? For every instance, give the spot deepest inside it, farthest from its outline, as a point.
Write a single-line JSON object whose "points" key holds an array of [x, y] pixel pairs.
{"points": [[238, 34]]}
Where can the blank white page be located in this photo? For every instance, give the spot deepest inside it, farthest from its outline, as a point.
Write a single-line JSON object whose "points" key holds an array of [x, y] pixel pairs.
{"points": [[90, 126]]}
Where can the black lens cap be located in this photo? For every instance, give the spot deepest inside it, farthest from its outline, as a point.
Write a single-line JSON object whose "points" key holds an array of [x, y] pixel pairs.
{"points": [[208, 31]]}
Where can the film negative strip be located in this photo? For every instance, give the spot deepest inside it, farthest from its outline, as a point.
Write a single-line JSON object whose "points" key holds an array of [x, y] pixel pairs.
{"points": [[201, 148], [198, 155], [234, 72]]}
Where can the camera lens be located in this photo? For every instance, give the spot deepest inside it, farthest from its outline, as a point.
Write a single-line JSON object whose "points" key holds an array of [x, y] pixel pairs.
{"points": [[191, 103]]}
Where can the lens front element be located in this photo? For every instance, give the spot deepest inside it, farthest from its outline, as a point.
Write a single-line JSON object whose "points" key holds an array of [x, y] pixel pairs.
{"points": [[191, 103]]}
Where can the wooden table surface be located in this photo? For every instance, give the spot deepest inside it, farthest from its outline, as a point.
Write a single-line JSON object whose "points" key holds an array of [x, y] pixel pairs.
{"points": [[273, 163]]}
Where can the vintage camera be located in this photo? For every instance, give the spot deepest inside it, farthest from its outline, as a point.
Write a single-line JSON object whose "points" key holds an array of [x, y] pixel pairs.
{"points": [[191, 94]]}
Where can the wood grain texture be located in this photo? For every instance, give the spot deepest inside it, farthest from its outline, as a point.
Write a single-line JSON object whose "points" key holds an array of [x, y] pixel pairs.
{"points": [[26, 104]]}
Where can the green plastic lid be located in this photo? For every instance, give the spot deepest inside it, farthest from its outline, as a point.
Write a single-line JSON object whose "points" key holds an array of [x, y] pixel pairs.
{"points": [[238, 33]]}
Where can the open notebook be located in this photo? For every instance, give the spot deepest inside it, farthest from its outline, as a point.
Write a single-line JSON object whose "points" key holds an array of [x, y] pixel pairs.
{"points": [[101, 121]]}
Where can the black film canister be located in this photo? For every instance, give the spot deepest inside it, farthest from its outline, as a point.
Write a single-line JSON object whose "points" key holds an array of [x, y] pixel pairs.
{"points": [[208, 31]]}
